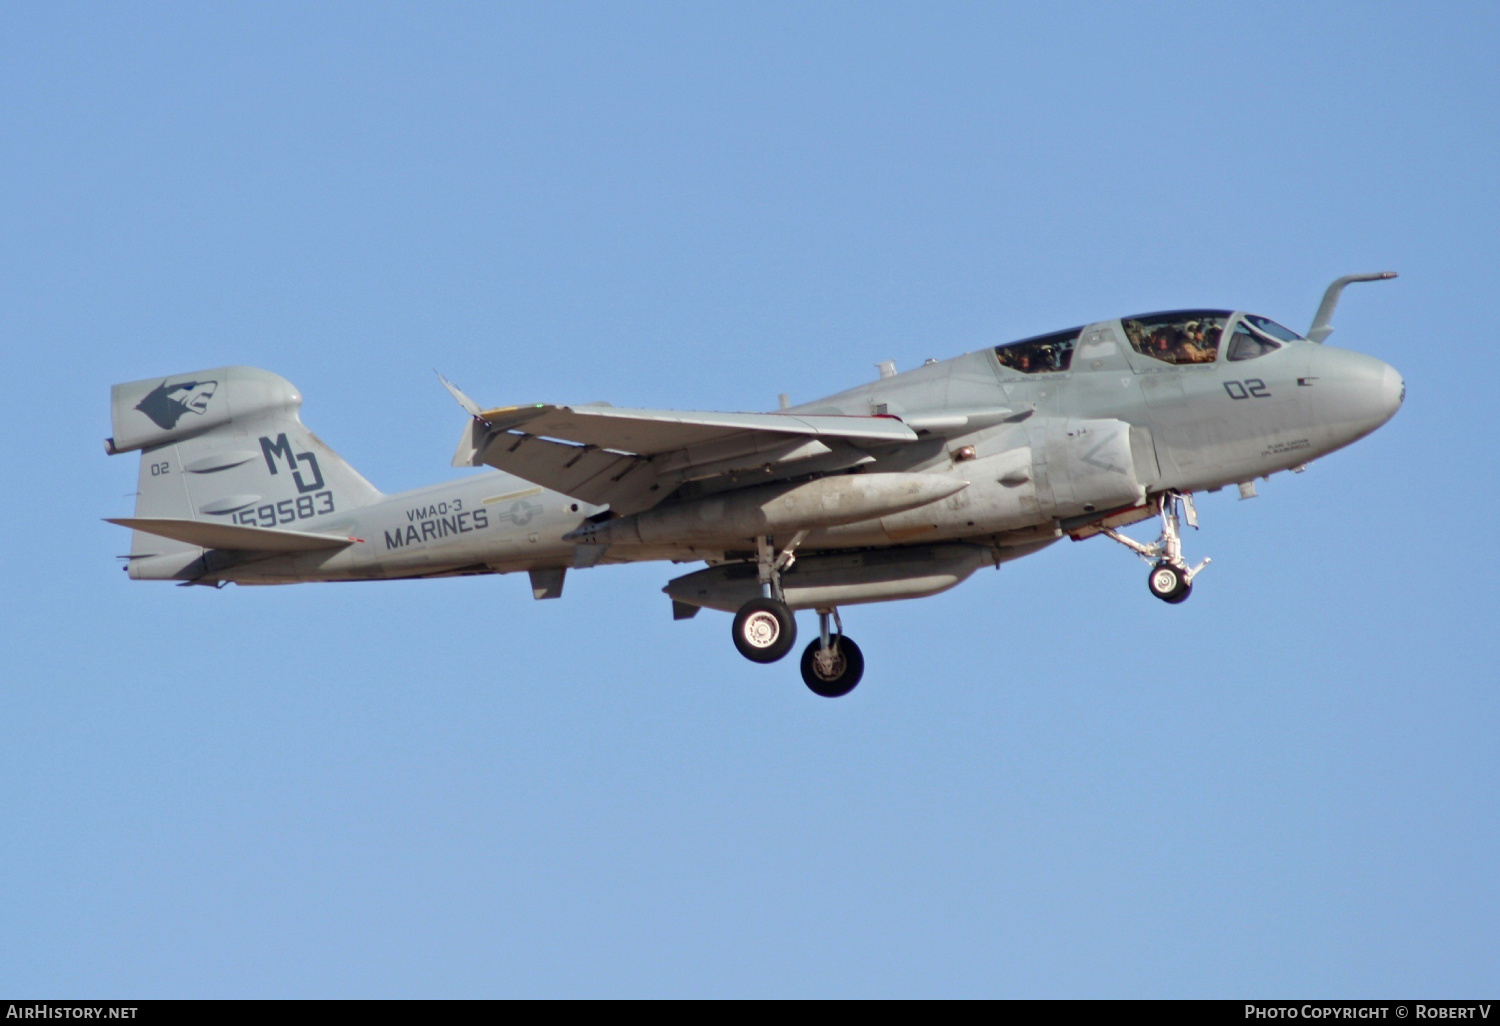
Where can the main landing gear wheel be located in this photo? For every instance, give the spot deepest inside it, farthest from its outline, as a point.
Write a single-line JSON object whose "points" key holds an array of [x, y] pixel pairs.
{"points": [[764, 630], [833, 673], [1169, 583]]}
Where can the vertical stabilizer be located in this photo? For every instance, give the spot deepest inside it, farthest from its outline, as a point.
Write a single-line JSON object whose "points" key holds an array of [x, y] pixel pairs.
{"points": [[225, 446]]}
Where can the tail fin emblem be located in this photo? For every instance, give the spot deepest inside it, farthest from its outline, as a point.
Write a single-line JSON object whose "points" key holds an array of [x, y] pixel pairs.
{"points": [[165, 404]]}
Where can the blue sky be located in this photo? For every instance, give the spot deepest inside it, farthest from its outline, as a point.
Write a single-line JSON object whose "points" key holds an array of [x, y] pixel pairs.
{"points": [[1048, 784]]}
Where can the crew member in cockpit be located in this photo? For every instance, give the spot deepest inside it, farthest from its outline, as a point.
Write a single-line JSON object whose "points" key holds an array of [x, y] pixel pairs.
{"points": [[1191, 347], [1160, 345]]}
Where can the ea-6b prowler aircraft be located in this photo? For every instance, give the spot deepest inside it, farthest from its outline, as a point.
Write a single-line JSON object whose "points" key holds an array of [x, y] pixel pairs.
{"points": [[899, 488]]}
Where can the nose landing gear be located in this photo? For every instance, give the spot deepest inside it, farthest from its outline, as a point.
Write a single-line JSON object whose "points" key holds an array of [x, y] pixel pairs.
{"points": [[1171, 578], [1169, 583]]}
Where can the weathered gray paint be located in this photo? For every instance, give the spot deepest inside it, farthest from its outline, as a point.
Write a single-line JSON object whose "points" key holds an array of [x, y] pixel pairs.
{"points": [[1041, 454]]}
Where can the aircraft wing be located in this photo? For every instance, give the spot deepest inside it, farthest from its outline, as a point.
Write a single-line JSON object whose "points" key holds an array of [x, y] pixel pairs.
{"points": [[632, 459]]}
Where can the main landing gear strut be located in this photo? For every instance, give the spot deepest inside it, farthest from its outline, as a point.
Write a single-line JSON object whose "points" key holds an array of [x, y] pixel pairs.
{"points": [[1171, 578], [765, 629]]}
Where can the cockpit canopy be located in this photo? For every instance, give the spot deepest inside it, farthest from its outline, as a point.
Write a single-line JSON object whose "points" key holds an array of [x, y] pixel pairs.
{"points": [[1043, 353], [1174, 336], [1178, 336], [1256, 336]]}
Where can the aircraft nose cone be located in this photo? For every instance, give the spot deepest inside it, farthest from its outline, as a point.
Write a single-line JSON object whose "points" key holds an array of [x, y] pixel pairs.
{"points": [[1355, 393], [1392, 391], [1380, 391]]}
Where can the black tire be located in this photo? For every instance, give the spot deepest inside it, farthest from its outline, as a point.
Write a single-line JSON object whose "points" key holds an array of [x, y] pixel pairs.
{"points": [[1168, 583], [848, 668], [764, 630]]}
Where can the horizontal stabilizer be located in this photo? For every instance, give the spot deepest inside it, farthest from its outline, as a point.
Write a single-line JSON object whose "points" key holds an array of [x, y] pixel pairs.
{"points": [[233, 536]]}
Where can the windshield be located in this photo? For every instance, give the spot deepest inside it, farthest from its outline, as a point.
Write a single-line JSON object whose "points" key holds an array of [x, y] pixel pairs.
{"points": [[1178, 336], [1041, 354], [1273, 329], [1245, 344]]}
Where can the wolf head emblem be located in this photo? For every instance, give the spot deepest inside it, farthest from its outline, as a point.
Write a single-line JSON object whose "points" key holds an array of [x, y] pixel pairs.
{"points": [[165, 404]]}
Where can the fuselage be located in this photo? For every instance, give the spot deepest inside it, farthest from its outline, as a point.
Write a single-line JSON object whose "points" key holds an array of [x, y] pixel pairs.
{"points": [[1100, 418]]}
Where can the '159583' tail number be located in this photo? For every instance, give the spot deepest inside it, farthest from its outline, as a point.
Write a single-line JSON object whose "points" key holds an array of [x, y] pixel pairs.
{"points": [[286, 511]]}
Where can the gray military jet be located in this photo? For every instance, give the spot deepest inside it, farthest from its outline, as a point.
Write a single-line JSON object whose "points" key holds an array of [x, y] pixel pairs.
{"points": [[899, 488]]}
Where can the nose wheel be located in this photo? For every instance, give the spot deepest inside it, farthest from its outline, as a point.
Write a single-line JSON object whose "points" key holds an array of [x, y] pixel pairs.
{"points": [[1171, 578], [1169, 584]]}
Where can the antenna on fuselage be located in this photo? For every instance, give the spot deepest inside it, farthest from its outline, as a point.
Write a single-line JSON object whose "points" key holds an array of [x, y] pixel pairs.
{"points": [[1321, 326]]}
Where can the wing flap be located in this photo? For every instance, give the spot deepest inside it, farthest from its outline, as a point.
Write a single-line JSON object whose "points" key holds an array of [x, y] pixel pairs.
{"points": [[233, 536], [594, 475], [652, 432]]}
